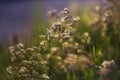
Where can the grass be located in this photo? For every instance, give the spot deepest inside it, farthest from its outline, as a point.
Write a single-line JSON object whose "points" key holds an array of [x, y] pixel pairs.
{"points": [[74, 58]]}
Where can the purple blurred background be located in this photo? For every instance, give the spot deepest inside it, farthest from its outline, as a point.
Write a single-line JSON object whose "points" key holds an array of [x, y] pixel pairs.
{"points": [[15, 20]]}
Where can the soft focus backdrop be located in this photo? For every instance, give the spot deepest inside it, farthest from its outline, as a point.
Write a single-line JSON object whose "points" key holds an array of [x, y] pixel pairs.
{"points": [[22, 21]]}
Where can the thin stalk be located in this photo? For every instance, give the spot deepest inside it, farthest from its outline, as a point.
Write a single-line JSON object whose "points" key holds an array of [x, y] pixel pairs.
{"points": [[94, 53]]}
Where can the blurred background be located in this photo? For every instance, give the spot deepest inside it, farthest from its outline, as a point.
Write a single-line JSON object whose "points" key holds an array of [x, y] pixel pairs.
{"points": [[23, 20], [17, 16]]}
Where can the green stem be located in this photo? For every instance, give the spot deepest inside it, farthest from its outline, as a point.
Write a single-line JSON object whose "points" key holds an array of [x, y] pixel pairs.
{"points": [[94, 53]]}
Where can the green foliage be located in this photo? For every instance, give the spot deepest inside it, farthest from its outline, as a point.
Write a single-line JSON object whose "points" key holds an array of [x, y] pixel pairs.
{"points": [[71, 49]]}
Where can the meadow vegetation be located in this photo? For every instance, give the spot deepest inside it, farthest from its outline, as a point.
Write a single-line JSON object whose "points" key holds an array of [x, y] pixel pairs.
{"points": [[73, 47]]}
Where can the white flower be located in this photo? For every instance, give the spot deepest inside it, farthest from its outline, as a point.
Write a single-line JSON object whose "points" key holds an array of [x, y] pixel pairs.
{"points": [[45, 76]]}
